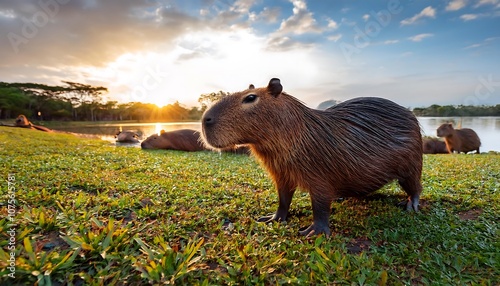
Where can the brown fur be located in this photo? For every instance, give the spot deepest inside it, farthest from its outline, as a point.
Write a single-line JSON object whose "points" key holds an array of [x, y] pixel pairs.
{"points": [[22, 121], [461, 140], [434, 146], [182, 140], [351, 149], [127, 136]]}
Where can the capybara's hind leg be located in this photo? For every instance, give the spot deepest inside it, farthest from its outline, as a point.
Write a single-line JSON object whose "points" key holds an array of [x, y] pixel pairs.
{"points": [[285, 199], [413, 188], [321, 214]]}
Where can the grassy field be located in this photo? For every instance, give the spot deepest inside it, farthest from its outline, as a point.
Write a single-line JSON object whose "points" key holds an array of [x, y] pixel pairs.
{"points": [[89, 213]]}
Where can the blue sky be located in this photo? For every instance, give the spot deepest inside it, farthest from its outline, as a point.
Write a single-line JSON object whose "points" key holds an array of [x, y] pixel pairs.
{"points": [[416, 53]]}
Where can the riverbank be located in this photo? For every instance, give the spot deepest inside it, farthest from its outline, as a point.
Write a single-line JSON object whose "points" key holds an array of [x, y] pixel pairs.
{"points": [[87, 212]]}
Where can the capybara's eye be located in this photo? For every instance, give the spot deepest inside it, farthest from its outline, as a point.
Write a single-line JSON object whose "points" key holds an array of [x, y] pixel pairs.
{"points": [[249, 98]]}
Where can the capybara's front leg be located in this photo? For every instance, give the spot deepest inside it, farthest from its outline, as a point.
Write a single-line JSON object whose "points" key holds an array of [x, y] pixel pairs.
{"points": [[285, 199], [321, 214]]}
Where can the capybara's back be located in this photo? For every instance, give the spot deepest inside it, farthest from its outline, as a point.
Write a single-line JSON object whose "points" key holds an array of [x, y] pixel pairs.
{"points": [[351, 149], [461, 140], [434, 146], [182, 140]]}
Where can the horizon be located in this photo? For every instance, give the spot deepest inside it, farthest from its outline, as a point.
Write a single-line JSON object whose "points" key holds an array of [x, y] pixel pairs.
{"points": [[414, 53]]}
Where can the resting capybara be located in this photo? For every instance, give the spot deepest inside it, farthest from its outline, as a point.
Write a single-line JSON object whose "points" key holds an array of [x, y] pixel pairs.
{"points": [[434, 146], [22, 121], [351, 149], [127, 136], [183, 140], [460, 140]]}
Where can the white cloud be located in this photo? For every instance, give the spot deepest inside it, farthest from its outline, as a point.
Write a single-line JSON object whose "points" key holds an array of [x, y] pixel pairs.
{"points": [[469, 17], [301, 22], [495, 3], [332, 24], [366, 17], [455, 5], [420, 37], [427, 12]]}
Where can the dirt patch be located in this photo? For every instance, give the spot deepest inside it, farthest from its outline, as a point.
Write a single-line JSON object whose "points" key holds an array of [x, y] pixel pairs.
{"points": [[358, 245], [51, 241], [472, 214]]}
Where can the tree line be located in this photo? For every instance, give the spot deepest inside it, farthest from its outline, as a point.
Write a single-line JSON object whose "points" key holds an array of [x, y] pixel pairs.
{"points": [[460, 110], [81, 102]]}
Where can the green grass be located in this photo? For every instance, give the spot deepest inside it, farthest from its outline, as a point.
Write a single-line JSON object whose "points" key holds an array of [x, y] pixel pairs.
{"points": [[89, 213]]}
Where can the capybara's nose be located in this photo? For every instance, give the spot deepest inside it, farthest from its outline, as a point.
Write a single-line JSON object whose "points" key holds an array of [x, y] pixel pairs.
{"points": [[208, 121]]}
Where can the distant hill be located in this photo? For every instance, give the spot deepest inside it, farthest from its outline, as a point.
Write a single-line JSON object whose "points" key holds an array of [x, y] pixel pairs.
{"points": [[329, 103]]}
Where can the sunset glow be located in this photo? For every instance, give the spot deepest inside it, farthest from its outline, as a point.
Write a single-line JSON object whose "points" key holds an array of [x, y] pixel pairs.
{"points": [[414, 53]]}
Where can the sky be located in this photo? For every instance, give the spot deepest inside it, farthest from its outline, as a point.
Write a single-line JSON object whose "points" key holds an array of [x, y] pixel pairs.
{"points": [[416, 53]]}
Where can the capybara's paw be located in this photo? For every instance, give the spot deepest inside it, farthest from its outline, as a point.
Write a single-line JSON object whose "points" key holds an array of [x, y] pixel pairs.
{"points": [[266, 219], [410, 204], [315, 229], [270, 218]]}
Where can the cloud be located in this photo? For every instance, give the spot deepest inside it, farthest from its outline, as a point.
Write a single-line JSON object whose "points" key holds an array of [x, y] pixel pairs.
{"points": [[420, 37], [268, 15], [332, 25], [469, 17], [455, 5], [366, 17], [301, 21], [62, 35], [495, 3], [427, 12]]}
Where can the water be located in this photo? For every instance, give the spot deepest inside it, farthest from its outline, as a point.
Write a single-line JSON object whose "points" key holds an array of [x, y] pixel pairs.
{"points": [[488, 128]]}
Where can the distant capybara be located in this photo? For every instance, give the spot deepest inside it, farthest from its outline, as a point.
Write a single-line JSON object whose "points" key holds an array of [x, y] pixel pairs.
{"points": [[351, 149], [22, 121], [127, 136], [460, 140], [183, 140], [434, 146]]}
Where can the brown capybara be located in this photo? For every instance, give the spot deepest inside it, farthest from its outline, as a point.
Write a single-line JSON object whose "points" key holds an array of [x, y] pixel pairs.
{"points": [[22, 121], [182, 140], [434, 146], [351, 149], [460, 140], [127, 136]]}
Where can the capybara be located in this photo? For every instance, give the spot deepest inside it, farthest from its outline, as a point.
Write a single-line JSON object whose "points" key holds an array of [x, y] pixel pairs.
{"points": [[351, 149], [460, 140], [434, 146], [22, 121], [127, 136], [182, 139]]}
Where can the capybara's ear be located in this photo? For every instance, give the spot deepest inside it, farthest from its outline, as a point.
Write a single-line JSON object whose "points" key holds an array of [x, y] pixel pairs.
{"points": [[162, 131], [251, 86], [274, 87]]}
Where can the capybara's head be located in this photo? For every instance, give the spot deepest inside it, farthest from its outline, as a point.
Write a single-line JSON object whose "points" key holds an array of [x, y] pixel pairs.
{"points": [[445, 129], [21, 120], [246, 116], [156, 141]]}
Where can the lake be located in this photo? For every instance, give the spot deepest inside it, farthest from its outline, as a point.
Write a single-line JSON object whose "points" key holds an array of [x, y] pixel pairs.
{"points": [[488, 128]]}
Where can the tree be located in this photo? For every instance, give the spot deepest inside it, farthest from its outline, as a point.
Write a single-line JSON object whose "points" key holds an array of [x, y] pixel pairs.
{"points": [[207, 98], [80, 94]]}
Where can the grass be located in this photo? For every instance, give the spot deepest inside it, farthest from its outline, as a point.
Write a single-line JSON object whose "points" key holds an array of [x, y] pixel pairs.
{"points": [[89, 213]]}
